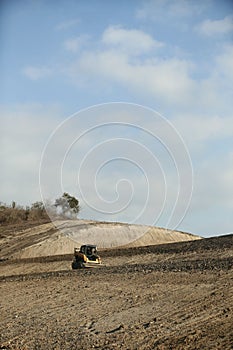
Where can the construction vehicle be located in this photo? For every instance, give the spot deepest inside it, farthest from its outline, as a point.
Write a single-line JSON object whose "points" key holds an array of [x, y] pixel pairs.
{"points": [[86, 256]]}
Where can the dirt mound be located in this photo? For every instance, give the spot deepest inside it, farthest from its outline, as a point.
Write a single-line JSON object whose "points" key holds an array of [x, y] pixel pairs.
{"points": [[115, 234], [47, 239]]}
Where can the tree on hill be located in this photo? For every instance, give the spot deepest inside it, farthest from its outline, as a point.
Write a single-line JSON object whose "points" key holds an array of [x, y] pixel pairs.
{"points": [[67, 206]]}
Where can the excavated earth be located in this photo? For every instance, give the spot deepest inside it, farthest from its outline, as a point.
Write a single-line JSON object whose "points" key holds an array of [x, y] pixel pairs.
{"points": [[167, 296]]}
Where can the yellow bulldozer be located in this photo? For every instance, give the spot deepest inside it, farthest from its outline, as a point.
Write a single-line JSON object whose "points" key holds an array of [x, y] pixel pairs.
{"points": [[86, 256]]}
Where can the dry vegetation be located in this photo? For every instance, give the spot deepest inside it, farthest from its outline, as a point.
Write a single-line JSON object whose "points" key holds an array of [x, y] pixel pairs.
{"points": [[15, 214]]}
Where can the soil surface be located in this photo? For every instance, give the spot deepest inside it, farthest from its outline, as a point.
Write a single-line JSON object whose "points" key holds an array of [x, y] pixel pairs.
{"points": [[171, 296]]}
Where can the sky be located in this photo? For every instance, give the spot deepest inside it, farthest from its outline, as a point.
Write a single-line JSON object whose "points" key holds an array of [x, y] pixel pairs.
{"points": [[126, 105]]}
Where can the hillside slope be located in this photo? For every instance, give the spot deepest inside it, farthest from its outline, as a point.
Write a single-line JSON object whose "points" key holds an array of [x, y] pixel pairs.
{"points": [[47, 239]]}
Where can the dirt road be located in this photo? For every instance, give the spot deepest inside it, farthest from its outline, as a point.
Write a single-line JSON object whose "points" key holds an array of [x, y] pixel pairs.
{"points": [[176, 296]]}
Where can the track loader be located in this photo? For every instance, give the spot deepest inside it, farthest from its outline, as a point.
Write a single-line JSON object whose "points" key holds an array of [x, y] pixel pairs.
{"points": [[86, 256]]}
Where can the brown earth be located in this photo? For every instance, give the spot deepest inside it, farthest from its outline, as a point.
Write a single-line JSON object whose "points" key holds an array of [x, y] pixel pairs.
{"points": [[170, 296], [62, 236]]}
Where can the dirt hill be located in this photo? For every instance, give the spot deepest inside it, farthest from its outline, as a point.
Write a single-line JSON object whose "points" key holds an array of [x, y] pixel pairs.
{"points": [[61, 238]]}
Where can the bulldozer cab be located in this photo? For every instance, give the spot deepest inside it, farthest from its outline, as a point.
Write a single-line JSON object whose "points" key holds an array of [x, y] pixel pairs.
{"points": [[88, 250], [85, 256]]}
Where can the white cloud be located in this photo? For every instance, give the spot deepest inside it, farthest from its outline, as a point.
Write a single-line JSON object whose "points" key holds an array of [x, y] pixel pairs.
{"points": [[225, 62], [216, 27], [67, 24], [23, 133], [75, 44], [214, 92], [214, 186], [227, 179], [197, 130], [36, 73], [128, 61], [161, 9], [167, 79], [125, 60], [211, 207], [129, 40], [209, 140]]}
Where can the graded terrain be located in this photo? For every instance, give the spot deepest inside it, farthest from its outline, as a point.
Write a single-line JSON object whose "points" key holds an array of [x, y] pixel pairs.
{"points": [[167, 296]]}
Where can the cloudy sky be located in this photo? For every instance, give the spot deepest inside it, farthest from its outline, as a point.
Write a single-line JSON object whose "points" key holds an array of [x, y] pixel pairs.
{"points": [[175, 57]]}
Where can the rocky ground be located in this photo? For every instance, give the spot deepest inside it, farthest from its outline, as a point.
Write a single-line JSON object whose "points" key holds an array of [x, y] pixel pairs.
{"points": [[172, 296]]}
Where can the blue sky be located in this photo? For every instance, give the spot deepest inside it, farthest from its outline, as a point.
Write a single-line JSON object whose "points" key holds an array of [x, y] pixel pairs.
{"points": [[176, 57]]}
